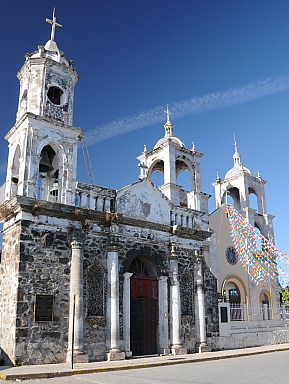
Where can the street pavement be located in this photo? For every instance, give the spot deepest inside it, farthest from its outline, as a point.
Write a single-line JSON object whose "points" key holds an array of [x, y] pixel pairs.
{"points": [[266, 364]]}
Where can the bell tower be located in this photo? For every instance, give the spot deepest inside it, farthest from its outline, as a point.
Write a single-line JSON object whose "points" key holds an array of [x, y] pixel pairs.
{"points": [[43, 142], [239, 184], [170, 157]]}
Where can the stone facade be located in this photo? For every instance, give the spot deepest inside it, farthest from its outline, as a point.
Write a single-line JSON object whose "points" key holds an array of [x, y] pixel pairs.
{"points": [[37, 259]]}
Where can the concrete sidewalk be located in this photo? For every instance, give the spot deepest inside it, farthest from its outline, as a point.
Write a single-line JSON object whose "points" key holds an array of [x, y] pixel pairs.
{"points": [[54, 370]]}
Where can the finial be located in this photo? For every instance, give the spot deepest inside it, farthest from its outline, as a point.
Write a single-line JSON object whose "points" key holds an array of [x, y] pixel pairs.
{"points": [[235, 144], [145, 148], [54, 24], [168, 113], [218, 177], [258, 174], [194, 147]]}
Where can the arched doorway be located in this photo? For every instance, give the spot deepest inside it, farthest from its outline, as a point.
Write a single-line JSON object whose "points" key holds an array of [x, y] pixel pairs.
{"points": [[232, 295], [265, 303], [143, 307]]}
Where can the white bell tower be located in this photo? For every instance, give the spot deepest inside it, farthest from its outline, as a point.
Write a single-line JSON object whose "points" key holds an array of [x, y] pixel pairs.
{"points": [[43, 142], [239, 184], [169, 157]]}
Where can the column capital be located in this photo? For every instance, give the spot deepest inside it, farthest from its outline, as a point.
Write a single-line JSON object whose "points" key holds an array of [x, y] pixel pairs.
{"points": [[198, 255], [127, 275], [113, 242], [174, 251], [78, 238]]}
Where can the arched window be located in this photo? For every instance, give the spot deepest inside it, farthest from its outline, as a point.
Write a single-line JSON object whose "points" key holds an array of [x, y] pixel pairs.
{"points": [[48, 187], [232, 196], [15, 171], [156, 173], [253, 199], [183, 175]]}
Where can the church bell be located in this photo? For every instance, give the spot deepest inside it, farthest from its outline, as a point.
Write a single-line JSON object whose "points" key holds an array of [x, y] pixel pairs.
{"points": [[45, 165]]}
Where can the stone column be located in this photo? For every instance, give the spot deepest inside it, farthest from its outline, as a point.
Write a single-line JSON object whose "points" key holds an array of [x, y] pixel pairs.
{"points": [[126, 314], [76, 297], [175, 315], [112, 311], [201, 345], [163, 316]]}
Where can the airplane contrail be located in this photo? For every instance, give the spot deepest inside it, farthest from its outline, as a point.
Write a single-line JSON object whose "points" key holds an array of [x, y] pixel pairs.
{"points": [[210, 101], [191, 106]]}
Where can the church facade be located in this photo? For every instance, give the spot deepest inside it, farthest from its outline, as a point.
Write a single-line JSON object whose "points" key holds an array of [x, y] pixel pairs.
{"points": [[106, 274], [102, 274]]}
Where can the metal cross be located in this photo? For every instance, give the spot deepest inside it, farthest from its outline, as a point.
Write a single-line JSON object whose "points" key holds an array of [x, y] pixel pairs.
{"points": [[168, 113], [235, 144], [54, 24]]}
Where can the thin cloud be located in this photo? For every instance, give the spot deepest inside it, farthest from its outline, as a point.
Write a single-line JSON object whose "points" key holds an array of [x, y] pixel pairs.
{"points": [[191, 106], [187, 107]]}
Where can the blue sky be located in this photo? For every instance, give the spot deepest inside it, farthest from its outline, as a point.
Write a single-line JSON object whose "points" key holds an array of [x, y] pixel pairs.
{"points": [[221, 65]]}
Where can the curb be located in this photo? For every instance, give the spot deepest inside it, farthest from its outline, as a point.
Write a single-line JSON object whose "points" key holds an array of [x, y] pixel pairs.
{"points": [[70, 372]]}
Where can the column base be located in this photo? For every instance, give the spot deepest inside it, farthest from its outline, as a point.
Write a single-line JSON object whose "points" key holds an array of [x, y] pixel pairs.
{"points": [[178, 350], [114, 355], [202, 347], [165, 351], [78, 357]]}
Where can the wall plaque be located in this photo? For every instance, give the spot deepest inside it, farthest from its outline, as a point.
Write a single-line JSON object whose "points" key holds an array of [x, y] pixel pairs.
{"points": [[43, 308]]}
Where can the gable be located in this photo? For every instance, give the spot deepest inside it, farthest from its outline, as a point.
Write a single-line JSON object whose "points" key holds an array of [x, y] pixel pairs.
{"points": [[143, 201]]}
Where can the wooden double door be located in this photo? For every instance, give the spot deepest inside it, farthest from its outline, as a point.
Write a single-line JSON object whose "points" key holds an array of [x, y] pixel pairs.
{"points": [[143, 315]]}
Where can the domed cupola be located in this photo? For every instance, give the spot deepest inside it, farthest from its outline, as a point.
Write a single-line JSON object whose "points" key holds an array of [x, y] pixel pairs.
{"points": [[238, 166]]}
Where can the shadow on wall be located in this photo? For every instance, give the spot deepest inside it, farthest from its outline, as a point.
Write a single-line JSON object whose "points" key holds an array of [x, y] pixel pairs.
{"points": [[4, 360]]}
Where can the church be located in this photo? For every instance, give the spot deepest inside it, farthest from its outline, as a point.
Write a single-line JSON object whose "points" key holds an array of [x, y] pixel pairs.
{"points": [[102, 274]]}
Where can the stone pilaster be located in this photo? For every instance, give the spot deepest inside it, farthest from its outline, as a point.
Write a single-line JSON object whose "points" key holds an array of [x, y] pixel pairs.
{"points": [[76, 300], [163, 316], [175, 301], [112, 311], [126, 314], [201, 345]]}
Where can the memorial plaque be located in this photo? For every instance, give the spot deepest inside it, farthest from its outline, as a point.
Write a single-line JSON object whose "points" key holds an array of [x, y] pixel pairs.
{"points": [[43, 308], [224, 314]]}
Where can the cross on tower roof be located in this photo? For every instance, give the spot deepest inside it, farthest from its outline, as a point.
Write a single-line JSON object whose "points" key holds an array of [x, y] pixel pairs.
{"points": [[168, 113], [54, 24], [235, 144]]}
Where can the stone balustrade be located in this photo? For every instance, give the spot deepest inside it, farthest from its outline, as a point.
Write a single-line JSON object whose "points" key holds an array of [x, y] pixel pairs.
{"points": [[185, 217], [96, 198]]}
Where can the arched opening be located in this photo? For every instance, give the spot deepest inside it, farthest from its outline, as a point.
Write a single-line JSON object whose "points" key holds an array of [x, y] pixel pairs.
{"points": [[232, 197], [56, 95], [48, 187], [233, 292], [144, 307], [15, 171], [156, 173], [183, 175], [253, 199], [265, 304]]}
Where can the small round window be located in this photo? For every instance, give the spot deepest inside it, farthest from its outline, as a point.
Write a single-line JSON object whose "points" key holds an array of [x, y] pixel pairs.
{"points": [[56, 95]]}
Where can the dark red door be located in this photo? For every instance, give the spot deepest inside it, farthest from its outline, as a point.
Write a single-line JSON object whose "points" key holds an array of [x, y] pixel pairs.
{"points": [[143, 316]]}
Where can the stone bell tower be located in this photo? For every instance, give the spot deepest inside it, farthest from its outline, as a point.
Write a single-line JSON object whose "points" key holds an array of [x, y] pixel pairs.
{"points": [[43, 142], [169, 157], [239, 184]]}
